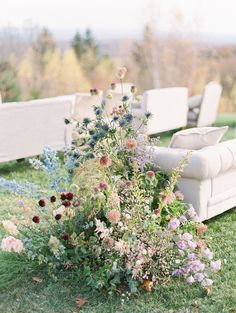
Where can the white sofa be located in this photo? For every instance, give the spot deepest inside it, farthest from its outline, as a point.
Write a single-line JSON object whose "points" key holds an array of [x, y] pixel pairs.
{"points": [[27, 127], [168, 106], [208, 181]]}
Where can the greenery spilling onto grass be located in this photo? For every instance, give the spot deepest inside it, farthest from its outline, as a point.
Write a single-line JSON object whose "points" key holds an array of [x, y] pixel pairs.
{"points": [[27, 296]]}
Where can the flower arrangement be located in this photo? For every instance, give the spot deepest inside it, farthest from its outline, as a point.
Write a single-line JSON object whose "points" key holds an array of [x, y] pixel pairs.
{"points": [[113, 218]]}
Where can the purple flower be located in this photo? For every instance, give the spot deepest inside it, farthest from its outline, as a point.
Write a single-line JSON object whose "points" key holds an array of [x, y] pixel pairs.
{"points": [[181, 244], [177, 272], [198, 277], [192, 245], [196, 218], [207, 282], [187, 236], [192, 256], [216, 266], [173, 224], [182, 219], [190, 280], [191, 212], [196, 266], [208, 254]]}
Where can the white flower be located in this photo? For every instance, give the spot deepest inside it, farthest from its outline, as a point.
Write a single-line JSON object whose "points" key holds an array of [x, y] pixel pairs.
{"points": [[10, 227], [207, 282], [54, 245]]}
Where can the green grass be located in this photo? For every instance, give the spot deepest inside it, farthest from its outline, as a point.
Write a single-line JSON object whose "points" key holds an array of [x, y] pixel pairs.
{"points": [[59, 297]]}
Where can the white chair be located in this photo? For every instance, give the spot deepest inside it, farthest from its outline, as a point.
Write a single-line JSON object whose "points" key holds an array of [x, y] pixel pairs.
{"points": [[27, 127], [124, 88], [205, 113], [84, 105], [168, 107]]}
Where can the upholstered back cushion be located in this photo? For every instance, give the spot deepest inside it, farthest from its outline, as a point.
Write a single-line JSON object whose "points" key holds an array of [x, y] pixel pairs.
{"points": [[210, 104], [197, 138], [27, 127]]}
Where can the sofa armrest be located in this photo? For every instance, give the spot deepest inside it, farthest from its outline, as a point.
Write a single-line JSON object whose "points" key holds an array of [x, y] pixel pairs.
{"points": [[202, 164]]}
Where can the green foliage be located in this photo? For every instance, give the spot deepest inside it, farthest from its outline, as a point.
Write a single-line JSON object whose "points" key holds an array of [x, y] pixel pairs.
{"points": [[9, 85]]}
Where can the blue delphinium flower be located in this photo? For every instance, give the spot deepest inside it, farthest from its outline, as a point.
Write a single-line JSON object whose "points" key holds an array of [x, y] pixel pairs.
{"points": [[20, 188]]}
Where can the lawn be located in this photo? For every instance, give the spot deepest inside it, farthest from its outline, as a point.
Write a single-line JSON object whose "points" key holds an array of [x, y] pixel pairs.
{"points": [[59, 296]]}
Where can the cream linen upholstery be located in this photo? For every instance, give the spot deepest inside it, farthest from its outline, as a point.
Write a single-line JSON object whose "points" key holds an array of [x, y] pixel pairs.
{"points": [[208, 181], [168, 107], [27, 127], [84, 105], [209, 106]]}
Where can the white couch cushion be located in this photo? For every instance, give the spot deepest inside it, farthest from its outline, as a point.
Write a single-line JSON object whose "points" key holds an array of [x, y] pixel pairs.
{"points": [[197, 138]]}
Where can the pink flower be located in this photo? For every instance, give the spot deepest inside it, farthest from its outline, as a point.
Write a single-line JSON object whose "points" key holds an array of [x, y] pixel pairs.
{"points": [[168, 198], [173, 224], [131, 144], [196, 266], [208, 254], [113, 216], [11, 244], [181, 244], [216, 266], [150, 174], [179, 195], [103, 185], [105, 161]]}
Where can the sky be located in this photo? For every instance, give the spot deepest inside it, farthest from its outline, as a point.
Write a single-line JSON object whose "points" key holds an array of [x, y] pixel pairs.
{"points": [[121, 17]]}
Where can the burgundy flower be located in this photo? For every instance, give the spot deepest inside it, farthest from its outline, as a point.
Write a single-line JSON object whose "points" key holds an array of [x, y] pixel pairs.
{"points": [[103, 185], [105, 161], [42, 203], [156, 211], [65, 236], [66, 203], [133, 89], [53, 199], [69, 196], [113, 86], [58, 217], [63, 196], [36, 219]]}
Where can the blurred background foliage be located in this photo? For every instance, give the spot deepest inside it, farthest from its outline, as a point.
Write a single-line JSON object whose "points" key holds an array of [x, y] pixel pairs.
{"points": [[43, 67]]}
